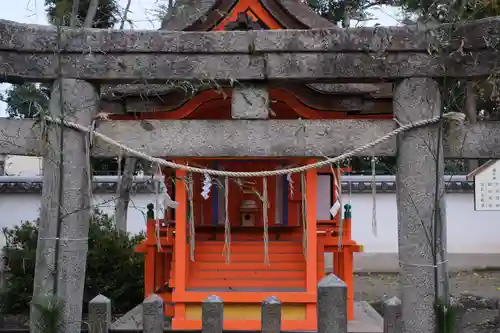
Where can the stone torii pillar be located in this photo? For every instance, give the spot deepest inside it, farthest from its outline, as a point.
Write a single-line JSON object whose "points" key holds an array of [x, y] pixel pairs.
{"points": [[63, 232], [417, 99]]}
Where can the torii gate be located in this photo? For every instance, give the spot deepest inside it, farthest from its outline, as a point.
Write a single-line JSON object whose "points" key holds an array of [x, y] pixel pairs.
{"points": [[83, 58]]}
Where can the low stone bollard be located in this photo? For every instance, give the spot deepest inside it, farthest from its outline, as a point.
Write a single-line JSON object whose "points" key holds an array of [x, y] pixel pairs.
{"points": [[212, 315], [332, 305], [459, 312], [271, 315], [99, 314], [391, 310], [153, 318]]}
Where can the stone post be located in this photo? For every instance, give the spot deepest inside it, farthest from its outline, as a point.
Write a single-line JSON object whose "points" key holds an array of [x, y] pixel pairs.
{"points": [[99, 314], [271, 315], [459, 311], [417, 168], [250, 102], [3, 286], [332, 305], [212, 315], [392, 315], [3, 157], [153, 317], [64, 218]]}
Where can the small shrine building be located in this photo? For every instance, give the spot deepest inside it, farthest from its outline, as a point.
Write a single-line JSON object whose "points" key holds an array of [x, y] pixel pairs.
{"points": [[246, 239]]}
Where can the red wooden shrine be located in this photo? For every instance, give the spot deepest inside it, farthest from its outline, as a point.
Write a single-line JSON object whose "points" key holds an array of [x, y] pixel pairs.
{"points": [[294, 269], [244, 282]]}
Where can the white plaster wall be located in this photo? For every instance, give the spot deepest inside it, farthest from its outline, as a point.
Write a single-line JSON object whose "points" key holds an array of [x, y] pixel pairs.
{"points": [[16, 165], [473, 237], [469, 231]]}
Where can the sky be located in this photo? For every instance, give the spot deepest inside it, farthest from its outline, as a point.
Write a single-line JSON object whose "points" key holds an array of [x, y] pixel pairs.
{"points": [[142, 14]]}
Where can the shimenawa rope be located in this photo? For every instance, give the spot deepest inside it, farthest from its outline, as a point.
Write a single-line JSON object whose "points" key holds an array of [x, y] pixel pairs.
{"points": [[456, 116]]}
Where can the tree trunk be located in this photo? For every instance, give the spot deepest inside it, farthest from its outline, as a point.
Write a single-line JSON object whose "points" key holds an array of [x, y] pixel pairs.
{"points": [[471, 112], [92, 11]]}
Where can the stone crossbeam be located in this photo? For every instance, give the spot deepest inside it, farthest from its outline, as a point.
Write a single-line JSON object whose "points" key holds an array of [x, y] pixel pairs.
{"points": [[31, 53], [253, 138]]}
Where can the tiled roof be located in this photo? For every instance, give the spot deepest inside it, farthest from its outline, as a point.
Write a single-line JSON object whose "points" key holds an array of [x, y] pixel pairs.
{"points": [[108, 184]]}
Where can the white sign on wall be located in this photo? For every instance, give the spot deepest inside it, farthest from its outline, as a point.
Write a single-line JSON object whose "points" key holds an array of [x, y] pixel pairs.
{"points": [[487, 189]]}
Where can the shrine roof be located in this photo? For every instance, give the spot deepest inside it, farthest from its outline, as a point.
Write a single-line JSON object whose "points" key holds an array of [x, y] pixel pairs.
{"points": [[207, 15], [203, 15], [480, 169]]}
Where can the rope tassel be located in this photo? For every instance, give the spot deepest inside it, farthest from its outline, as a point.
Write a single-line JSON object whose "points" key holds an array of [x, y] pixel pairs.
{"points": [[337, 204], [341, 215], [265, 207], [374, 197], [304, 212], [227, 226], [157, 206], [192, 231]]}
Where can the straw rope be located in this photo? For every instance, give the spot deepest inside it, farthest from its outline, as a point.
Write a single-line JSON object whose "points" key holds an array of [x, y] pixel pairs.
{"points": [[455, 116]]}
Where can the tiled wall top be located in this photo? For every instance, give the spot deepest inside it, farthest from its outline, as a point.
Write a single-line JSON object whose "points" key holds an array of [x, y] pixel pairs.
{"points": [[108, 184]]}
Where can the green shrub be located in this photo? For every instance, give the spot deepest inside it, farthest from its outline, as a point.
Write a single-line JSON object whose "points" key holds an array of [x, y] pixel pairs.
{"points": [[113, 268]]}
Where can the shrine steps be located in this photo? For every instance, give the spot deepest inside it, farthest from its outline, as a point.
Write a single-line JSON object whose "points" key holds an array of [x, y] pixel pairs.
{"points": [[246, 270], [245, 281]]}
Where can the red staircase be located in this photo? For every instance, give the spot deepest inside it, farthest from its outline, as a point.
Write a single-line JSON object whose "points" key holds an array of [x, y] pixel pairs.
{"points": [[246, 269]]}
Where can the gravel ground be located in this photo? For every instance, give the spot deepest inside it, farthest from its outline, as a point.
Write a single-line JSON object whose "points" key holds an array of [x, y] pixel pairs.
{"points": [[477, 319]]}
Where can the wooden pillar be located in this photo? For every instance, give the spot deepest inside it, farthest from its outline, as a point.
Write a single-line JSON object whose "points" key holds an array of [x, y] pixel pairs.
{"points": [[149, 260], [312, 244], [417, 168], [61, 256], [347, 263]]}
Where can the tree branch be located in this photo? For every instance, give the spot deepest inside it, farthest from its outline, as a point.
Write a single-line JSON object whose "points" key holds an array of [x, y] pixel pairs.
{"points": [[125, 14]]}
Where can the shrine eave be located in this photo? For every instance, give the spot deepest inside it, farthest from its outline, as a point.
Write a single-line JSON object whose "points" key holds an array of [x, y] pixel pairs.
{"points": [[332, 99], [368, 90]]}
